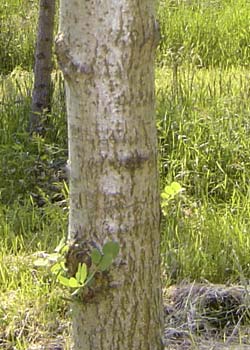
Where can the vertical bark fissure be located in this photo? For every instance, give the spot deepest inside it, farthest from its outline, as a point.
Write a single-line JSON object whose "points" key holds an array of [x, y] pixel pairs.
{"points": [[107, 59]]}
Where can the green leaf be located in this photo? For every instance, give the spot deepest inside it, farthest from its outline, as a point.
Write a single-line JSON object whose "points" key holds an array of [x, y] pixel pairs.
{"points": [[170, 191], [63, 280], [96, 256], [81, 274], [55, 269], [41, 262], [164, 195], [78, 272], [111, 248], [73, 283], [105, 263], [176, 187]]}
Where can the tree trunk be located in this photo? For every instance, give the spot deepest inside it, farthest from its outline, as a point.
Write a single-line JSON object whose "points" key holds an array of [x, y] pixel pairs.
{"points": [[41, 95], [106, 52]]}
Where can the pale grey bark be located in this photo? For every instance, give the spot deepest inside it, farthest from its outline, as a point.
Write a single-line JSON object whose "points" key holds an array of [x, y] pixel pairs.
{"points": [[106, 52], [41, 96]]}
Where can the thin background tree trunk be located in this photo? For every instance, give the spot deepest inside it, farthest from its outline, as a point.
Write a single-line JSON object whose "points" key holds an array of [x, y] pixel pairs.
{"points": [[106, 52], [41, 96]]}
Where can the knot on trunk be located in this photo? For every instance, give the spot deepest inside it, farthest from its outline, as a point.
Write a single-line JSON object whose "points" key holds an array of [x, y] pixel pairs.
{"points": [[79, 252]]}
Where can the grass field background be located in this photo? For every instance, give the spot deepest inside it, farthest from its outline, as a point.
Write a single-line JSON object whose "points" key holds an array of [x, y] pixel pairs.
{"points": [[203, 121]]}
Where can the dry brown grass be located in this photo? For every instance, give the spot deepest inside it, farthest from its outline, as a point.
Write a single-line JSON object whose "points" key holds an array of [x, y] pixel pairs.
{"points": [[207, 316]]}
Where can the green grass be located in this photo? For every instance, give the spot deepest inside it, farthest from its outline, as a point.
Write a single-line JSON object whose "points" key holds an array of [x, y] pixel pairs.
{"points": [[204, 134], [31, 308], [204, 145], [17, 34], [205, 32], [29, 166], [203, 121]]}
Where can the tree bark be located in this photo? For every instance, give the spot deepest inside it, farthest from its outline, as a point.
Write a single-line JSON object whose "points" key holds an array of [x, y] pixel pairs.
{"points": [[106, 52], [41, 96]]}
